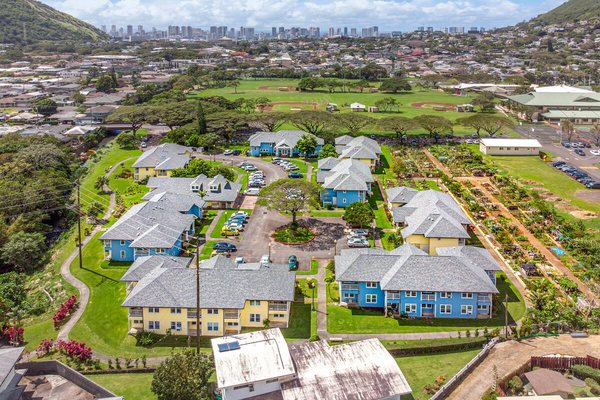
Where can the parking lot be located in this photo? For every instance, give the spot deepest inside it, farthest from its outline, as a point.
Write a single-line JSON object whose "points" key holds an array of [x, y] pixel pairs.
{"points": [[550, 139], [254, 241]]}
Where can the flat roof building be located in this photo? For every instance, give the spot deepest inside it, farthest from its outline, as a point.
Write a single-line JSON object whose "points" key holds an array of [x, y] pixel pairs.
{"points": [[510, 147]]}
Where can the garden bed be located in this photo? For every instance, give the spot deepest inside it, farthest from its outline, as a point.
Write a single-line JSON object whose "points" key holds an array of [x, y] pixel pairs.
{"points": [[287, 235]]}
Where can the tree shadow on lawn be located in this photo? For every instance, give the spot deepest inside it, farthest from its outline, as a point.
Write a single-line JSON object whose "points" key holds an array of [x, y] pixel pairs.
{"points": [[326, 233]]}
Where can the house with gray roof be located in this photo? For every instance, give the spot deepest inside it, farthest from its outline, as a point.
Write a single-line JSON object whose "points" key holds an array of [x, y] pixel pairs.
{"points": [[218, 192], [457, 283], [360, 148], [579, 106], [161, 161], [147, 229], [429, 219], [345, 181], [232, 296], [281, 144]]}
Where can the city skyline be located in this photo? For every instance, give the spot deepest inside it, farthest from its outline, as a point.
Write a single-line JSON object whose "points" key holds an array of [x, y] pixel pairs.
{"points": [[388, 15]]}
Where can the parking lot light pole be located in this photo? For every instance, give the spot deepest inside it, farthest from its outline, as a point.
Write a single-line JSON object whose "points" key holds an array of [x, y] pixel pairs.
{"points": [[269, 252]]}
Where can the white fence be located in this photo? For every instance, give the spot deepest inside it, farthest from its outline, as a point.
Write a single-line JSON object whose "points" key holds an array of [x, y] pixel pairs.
{"points": [[456, 379]]}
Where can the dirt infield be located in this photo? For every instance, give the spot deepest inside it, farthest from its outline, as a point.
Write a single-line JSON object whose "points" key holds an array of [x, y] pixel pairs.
{"points": [[434, 104], [278, 88], [270, 106]]}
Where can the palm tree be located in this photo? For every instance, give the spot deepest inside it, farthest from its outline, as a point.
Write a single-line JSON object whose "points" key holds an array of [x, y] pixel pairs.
{"points": [[568, 128], [100, 182], [595, 132]]}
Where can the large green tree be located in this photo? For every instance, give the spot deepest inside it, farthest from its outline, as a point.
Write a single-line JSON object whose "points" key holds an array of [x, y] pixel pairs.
{"points": [[353, 122], [434, 124], [328, 150], [184, 376], [33, 245], [271, 121], [313, 122], [359, 214], [45, 106], [289, 196], [399, 125], [135, 116], [394, 85], [307, 145], [105, 83]]}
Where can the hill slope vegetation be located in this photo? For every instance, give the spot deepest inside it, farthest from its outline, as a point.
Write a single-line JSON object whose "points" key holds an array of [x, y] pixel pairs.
{"points": [[571, 11], [41, 22]]}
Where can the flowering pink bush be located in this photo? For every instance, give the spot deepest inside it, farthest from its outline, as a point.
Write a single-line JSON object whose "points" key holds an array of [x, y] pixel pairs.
{"points": [[46, 346], [14, 334], [74, 349], [64, 310]]}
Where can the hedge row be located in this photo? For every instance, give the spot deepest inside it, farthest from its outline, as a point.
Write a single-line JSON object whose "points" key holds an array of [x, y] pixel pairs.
{"points": [[583, 372]]}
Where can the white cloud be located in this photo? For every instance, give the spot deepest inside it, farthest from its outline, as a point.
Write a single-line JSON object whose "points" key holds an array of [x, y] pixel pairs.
{"points": [[262, 14]]}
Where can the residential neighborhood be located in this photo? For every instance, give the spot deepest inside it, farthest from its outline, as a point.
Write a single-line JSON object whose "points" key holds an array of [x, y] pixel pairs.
{"points": [[297, 202]]}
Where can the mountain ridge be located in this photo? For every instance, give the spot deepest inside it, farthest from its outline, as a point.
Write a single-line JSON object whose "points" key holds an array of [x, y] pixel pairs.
{"points": [[570, 11], [28, 21]]}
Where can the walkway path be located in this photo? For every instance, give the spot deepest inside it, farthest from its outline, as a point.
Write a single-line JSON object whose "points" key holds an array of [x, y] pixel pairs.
{"points": [[65, 268], [309, 172], [509, 356], [322, 299]]}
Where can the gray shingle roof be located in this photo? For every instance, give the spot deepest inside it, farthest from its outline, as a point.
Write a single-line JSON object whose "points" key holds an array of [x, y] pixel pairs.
{"points": [[477, 255], [223, 284], [400, 194], [408, 268], [176, 201], [344, 143], [433, 223], [288, 137], [142, 266], [225, 190], [348, 174], [167, 156]]}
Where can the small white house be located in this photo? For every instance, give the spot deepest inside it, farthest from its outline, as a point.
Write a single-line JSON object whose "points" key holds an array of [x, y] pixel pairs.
{"points": [[510, 147], [358, 107]]}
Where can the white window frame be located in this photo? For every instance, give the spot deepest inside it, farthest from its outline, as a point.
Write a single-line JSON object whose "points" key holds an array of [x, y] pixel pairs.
{"points": [[445, 309], [410, 293], [344, 200], [122, 242], [410, 308], [175, 310], [122, 253], [371, 285], [212, 311], [445, 295], [466, 309], [371, 296], [154, 325], [160, 251], [153, 310], [255, 303], [466, 295], [255, 318], [350, 295], [212, 326], [481, 307], [427, 307], [176, 326]]}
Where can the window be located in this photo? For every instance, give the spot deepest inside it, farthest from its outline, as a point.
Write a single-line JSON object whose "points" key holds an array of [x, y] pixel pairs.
{"points": [[410, 308], [175, 326], [343, 191], [107, 243], [138, 321], [371, 285], [122, 253], [154, 325], [344, 201], [466, 295], [212, 326], [212, 311], [254, 317], [232, 324], [371, 298], [445, 309], [350, 295], [255, 302], [445, 295], [427, 307], [153, 310], [278, 315], [482, 307], [122, 242], [410, 293], [427, 296], [466, 309], [271, 381], [175, 310], [160, 251]]}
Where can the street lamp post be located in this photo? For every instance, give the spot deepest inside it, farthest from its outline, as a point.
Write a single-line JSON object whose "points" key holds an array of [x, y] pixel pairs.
{"points": [[269, 252]]}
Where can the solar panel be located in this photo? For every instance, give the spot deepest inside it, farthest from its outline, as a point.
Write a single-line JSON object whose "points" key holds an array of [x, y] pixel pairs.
{"points": [[229, 346]]}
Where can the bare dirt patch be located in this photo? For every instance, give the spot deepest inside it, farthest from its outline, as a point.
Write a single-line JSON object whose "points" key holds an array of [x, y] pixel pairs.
{"points": [[593, 197], [439, 106], [278, 88], [566, 206], [301, 104]]}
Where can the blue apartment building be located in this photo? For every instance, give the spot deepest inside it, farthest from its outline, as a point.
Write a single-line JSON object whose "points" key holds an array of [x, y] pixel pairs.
{"points": [[344, 181], [459, 282], [280, 144]]}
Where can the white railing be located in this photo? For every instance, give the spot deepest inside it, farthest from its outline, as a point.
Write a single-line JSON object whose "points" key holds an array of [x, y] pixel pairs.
{"points": [[457, 379]]}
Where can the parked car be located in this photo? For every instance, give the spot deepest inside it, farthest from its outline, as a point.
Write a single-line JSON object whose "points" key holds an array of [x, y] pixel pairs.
{"points": [[252, 192], [224, 246], [242, 213], [295, 175], [143, 145], [580, 152], [595, 152], [293, 262], [558, 163], [236, 152], [228, 152], [250, 168], [358, 242], [235, 225], [227, 231], [593, 185], [239, 260], [276, 160], [359, 232]]}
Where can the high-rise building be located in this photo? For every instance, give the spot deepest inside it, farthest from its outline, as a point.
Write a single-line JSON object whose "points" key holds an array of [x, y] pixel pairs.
{"points": [[331, 32], [221, 31], [345, 31], [274, 31], [281, 30], [103, 28], [213, 32], [353, 32], [129, 30]]}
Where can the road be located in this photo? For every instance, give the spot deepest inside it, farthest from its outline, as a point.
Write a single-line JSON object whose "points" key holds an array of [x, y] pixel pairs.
{"points": [[509, 356], [550, 138]]}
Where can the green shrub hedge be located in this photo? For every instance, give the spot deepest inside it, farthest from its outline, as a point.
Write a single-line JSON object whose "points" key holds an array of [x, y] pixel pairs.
{"points": [[583, 372]]}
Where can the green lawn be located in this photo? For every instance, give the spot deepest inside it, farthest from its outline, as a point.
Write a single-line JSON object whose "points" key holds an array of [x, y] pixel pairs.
{"points": [[376, 202], [208, 217], [307, 292], [130, 386], [314, 267], [300, 322], [425, 369], [207, 249], [302, 166], [426, 343], [131, 191], [532, 168], [346, 320], [326, 213], [216, 233], [103, 325], [270, 89]]}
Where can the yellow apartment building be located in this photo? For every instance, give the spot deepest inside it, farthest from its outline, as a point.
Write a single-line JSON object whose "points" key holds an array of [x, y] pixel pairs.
{"points": [[161, 161]]}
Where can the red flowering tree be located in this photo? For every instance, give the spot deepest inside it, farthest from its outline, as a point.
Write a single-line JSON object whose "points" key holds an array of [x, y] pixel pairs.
{"points": [[64, 310], [14, 334]]}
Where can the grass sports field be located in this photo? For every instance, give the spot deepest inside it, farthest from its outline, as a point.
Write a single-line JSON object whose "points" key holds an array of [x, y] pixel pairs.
{"points": [[284, 97]]}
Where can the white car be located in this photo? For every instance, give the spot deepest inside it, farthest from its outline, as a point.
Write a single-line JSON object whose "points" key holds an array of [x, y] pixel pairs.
{"points": [[359, 232], [595, 152], [252, 192], [242, 213], [358, 242]]}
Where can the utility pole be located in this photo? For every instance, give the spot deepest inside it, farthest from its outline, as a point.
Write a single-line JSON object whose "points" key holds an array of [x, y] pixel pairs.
{"points": [[79, 223], [197, 296], [506, 316]]}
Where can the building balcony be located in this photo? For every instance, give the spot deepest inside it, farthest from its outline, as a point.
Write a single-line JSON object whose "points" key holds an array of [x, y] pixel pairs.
{"points": [[192, 314], [278, 307], [136, 313], [346, 287], [192, 332], [232, 315], [484, 299], [428, 297]]}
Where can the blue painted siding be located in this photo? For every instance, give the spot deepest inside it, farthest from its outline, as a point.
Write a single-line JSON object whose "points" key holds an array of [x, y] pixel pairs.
{"points": [[268, 149], [116, 248], [196, 211], [347, 197], [364, 291]]}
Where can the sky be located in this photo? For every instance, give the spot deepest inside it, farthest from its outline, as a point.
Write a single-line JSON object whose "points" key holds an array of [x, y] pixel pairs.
{"points": [[389, 15]]}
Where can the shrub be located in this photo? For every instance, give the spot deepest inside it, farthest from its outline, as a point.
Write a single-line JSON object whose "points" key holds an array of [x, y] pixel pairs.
{"points": [[76, 351], [64, 310], [314, 338], [515, 384], [146, 339], [45, 347], [593, 385], [14, 334], [583, 372]]}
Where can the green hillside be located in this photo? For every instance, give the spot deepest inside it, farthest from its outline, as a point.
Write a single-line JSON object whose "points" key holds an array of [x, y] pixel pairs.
{"points": [[572, 10], [41, 22]]}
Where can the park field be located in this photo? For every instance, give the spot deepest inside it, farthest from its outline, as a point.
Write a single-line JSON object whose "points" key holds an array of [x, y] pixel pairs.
{"points": [[284, 97]]}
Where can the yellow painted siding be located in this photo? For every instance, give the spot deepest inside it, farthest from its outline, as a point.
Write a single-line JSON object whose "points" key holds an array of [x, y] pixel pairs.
{"points": [[262, 309], [212, 319], [165, 317], [434, 243], [142, 173]]}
